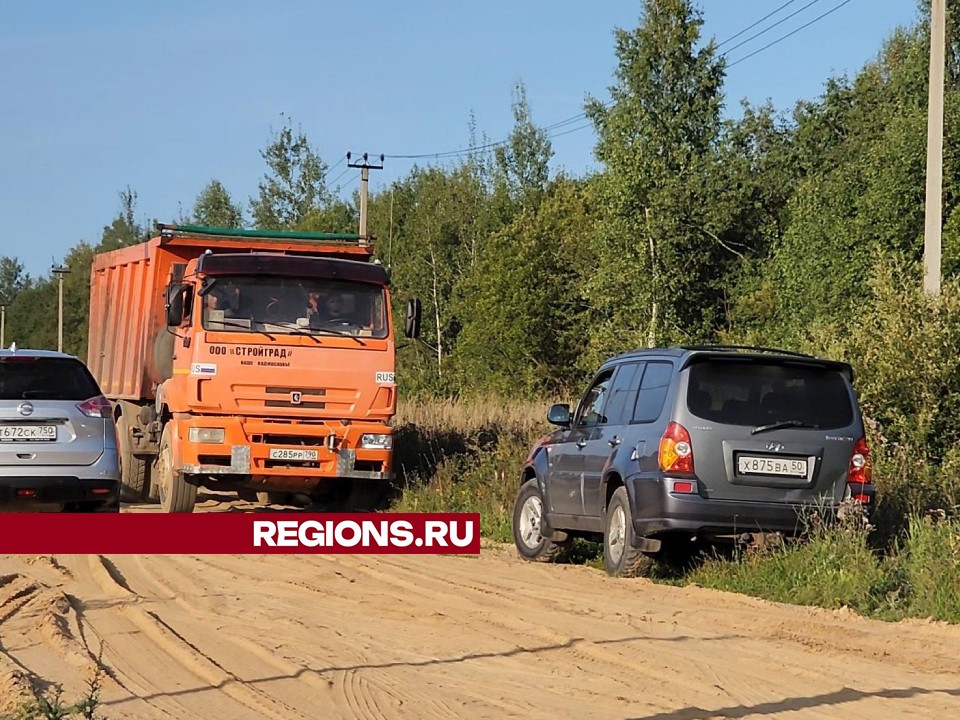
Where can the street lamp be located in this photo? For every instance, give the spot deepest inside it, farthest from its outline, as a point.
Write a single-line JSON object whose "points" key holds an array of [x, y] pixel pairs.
{"points": [[60, 272]]}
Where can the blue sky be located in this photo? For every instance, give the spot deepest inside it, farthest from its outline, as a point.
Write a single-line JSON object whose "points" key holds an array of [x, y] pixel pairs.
{"points": [[162, 97]]}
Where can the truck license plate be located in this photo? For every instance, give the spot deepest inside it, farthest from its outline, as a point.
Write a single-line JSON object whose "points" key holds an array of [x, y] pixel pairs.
{"points": [[28, 433], [293, 454], [747, 465]]}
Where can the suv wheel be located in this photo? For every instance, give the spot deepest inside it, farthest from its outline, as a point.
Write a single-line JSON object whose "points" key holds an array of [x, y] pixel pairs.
{"points": [[527, 521], [620, 558]]}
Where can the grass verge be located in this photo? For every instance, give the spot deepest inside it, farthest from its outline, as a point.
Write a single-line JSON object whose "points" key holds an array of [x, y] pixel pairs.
{"points": [[466, 458]]}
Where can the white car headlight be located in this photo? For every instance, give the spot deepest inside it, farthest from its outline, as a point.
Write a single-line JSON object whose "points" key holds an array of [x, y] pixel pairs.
{"points": [[372, 441]]}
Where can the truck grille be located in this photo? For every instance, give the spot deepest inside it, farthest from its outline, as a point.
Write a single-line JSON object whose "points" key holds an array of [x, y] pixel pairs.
{"points": [[286, 397]]}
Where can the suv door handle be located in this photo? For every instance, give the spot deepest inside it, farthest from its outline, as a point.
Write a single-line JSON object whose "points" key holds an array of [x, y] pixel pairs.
{"points": [[581, 443], [614, 441]]}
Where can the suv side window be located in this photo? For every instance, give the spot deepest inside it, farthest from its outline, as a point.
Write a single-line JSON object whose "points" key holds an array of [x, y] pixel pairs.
{"points": [[653, 392], [592, 407], [623, 393]]}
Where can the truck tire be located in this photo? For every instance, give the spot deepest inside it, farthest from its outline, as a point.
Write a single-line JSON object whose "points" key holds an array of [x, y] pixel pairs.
{"points": [[176, 494], [527, 519], [365, 495], [134, 471], [620, 558]]}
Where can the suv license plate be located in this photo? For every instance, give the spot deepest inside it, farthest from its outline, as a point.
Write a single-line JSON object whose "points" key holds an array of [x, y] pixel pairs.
{"points": [[747, 465], [293, 454], [28, 433]]}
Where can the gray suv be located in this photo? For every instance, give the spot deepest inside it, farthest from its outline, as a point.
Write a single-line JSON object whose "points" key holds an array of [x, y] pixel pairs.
{"points": [[716, 443], [58, 441]]}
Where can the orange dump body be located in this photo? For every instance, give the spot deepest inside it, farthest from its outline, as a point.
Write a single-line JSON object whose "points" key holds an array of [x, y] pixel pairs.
{"points": [[252, 402]]}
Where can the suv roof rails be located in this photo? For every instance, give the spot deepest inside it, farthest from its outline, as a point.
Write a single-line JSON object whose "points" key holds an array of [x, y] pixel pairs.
{"points": [[752, 348]]}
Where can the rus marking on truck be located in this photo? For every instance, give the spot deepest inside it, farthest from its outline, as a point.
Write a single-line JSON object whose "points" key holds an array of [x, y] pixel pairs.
{"points": [[386, 378], [203, 369]]}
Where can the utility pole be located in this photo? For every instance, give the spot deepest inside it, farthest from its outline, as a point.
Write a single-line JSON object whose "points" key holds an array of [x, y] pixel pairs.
{"points": [[3, 326], [934, 212], [365, 168], [60, 271]]}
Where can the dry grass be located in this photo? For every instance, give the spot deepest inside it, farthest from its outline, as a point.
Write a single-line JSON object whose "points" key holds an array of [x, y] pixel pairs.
{"points": [[467, 417], [456, 456]]}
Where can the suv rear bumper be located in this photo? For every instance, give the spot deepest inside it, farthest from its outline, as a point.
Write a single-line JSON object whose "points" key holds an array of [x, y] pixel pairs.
{"points": [[658, 511], [21, 487], [55, 490]]}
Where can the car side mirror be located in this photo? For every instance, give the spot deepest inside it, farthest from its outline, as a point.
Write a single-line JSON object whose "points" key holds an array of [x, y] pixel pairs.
{"points": [[412, 326], [559, 414]]}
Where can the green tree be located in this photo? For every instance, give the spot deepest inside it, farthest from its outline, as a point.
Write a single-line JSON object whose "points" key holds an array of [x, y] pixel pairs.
{"points": [[522, 334], [13, 279], [661, 263], [294, 185], [523, 162], [124, 230], [215, 208], [861, 152]]}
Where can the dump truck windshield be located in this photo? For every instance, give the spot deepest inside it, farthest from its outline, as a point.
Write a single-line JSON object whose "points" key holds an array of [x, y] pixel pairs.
{"points": [[279, 305]]}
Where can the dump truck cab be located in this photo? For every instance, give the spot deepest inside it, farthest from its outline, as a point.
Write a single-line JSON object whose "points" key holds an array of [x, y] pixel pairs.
{"points": [[271, 369]]}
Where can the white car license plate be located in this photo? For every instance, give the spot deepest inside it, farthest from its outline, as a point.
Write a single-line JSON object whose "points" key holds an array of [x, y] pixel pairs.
{"points": [[28, 433], [293, 454], [747, 465]]}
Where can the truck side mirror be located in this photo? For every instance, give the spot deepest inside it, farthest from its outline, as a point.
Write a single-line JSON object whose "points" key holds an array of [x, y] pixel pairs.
{"points": [[414, 311], [179, 304]]}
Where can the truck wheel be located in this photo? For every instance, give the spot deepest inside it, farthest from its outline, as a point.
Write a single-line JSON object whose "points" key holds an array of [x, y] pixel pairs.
{"points": [[620, 558], [176, 494], [247, 495], [134, 471], [365, 495], [527, 520]]}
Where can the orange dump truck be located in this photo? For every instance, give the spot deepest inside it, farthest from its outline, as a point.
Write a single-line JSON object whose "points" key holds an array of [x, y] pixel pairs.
{"points": [[250, 361]]}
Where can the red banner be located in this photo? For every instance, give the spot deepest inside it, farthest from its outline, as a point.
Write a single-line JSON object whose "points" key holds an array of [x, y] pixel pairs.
{"points": [[240, 533]]}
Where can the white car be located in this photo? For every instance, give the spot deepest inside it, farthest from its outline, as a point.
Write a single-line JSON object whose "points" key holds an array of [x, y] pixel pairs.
{"points": [[58, 439]]}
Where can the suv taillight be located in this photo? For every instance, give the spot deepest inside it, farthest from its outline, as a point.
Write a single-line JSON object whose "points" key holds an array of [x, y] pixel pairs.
{"points": [[96, 407], [676, 450], [860, 471]]}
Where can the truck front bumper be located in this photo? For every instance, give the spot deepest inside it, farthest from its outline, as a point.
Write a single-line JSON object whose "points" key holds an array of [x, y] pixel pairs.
{"points": [[271, 450]]}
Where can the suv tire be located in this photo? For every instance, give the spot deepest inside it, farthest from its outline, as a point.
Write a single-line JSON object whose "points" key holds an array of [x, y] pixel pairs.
{"points": [[527, 521], [620, 558]]}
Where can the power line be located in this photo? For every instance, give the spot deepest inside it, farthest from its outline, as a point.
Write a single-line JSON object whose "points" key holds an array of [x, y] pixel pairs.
{"points": [[342, 173], [766, 30], [750, 27], [792, 32], [575, 118], [333, 167]]}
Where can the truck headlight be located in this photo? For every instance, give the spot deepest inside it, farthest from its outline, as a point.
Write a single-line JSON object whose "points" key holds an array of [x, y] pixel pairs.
{"points": [[206, 435], [372, 441]]}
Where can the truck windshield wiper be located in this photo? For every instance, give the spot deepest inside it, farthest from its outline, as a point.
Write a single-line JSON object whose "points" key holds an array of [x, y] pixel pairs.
{"points": [[783, 424], [297, 330], [340, 333]]}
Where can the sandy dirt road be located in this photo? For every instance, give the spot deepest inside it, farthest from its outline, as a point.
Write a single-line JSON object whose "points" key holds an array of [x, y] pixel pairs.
{"points": [[288, 637]]}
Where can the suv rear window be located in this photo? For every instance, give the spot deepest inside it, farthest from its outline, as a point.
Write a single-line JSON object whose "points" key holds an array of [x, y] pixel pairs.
{"points": [[33, 378], [757, 392]]}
